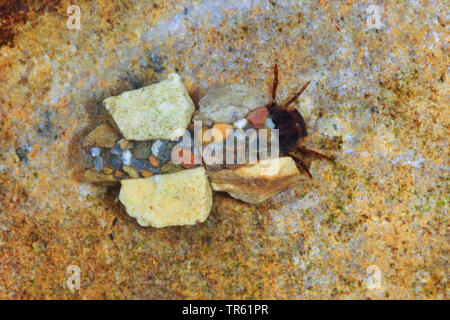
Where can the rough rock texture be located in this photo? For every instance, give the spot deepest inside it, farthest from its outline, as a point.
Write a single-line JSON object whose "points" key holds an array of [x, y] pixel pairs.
{"points": [[157, 111], [258, 182], [378, 102], [230, 103], [176, 199]]}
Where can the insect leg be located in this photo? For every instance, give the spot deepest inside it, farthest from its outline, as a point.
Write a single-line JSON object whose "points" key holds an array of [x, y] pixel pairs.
{"points": [[315, 154], [275, 85], [300, 164], [295, 97]]}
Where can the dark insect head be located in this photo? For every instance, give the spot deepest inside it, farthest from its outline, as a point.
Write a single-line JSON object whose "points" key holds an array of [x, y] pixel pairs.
{"points": [[291, 126]]}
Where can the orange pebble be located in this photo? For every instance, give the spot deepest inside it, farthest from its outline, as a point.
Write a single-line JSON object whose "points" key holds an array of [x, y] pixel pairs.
{"points": [[118, 174], [154, 161], [257, 117], [146, 174]]}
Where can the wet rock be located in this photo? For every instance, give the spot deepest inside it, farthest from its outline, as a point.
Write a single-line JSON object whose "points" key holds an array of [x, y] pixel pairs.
{"points": [[182, 198]]}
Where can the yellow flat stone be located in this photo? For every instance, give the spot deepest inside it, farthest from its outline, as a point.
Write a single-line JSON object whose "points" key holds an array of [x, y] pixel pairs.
{"points": [[159, 111], [182, 198]]}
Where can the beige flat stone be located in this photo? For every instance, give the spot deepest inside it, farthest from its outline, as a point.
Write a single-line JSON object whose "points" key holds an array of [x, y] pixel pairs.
{"points": [[258, 182], [182, 198], [229, 104], [161, 110]]}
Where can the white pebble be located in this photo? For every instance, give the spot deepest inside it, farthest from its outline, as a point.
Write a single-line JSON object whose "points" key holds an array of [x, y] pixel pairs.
{"points": [[95, 152], [269, 123], [240, 123], [156, 147], [126, 157]]}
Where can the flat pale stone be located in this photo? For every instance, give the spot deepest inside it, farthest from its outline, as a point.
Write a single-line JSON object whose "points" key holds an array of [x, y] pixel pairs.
{"points": [[182, 198], [258, 182], [161, 110], [229, 104]]}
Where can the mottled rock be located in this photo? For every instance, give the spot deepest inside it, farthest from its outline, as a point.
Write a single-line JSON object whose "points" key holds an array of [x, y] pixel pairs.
{"points": [[153, 112], [258, 182], [103, 136], [229, 104], [182, 198]]}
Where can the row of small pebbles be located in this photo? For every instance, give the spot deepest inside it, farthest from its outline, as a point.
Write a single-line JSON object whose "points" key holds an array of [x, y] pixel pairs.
{"points": [[133, 159], [132, 162]]}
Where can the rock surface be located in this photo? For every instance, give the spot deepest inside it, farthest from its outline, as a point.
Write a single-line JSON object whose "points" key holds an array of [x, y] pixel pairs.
{"points": [[157, 111], [229, 104], [378, 102], [182, 198], [258, 182]]}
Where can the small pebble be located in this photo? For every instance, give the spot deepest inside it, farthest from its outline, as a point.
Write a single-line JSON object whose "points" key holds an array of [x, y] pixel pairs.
{"points": [[88, 161], [95, 152], [131, 172], [142, 150], [146, 174], [154, 161], [115, 162], [166, 154], [157, 147], [118, 174], [269, 123], [116, 150], [241, 123], [98, 164], [126, 157], [108, 170], [141, 165]]}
